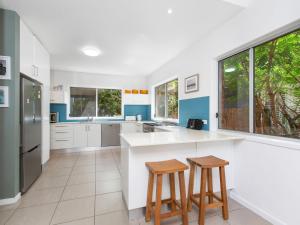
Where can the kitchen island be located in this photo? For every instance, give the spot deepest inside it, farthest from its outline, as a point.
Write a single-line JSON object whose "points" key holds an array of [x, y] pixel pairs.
{"points": [[169, 143]]}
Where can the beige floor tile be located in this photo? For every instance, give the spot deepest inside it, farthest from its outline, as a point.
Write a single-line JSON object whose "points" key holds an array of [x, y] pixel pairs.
{"points": [[87, 221], [114, 218], [45, 182], [213, 220], [39, 197], [234, 205], [37, 215], [65, 163], [82, 178], [100, 161], [106, 167], [109, 203], [83, 169], [4, 215], [71, 210], [79, 191], [54, 172], [107, 175], [245, 217], [85, 162], [108, 186]]}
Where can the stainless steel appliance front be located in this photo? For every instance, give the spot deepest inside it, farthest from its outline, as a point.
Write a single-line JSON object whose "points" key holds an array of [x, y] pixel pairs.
{"points": [[31, 129]]}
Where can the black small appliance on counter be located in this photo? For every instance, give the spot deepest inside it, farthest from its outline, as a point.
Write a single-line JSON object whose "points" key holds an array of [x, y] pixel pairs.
{"points": [[195, 124]]}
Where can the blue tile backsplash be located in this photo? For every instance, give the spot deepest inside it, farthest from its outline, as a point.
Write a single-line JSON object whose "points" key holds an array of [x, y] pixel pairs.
{"points": [[133, 110], [61, 109], [129, 110], [194, 108]]}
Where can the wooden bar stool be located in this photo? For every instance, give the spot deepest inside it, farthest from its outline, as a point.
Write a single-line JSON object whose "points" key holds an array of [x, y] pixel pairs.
{"points": [[158, 169], [206, 164]]}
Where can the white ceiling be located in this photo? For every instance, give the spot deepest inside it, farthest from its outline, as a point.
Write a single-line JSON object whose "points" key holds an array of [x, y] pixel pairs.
{"points": [[135, 36]]}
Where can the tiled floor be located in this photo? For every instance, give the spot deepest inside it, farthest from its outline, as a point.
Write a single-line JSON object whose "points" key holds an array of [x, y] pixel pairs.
{"points": [[84, 189]]}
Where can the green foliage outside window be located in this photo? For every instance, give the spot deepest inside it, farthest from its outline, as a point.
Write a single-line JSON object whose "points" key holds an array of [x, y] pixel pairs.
{"points": [[276, 86], [166, 100], [109, 102], [83, 102]]}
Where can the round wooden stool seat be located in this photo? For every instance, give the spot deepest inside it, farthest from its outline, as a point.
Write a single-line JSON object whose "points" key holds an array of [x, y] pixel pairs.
{"points": [[206, 164], [158, 169]]}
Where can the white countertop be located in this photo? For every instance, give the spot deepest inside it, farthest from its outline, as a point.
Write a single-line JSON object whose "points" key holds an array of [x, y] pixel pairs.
{"points": [[174, 135]]}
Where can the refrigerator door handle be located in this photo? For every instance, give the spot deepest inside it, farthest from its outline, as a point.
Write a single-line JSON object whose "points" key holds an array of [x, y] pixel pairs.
{"points": [[31, 150]]}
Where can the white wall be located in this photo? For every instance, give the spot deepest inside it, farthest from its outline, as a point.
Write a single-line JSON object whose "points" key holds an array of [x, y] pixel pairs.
{"points": [[261, 20], [96, 80], [77, 79]]}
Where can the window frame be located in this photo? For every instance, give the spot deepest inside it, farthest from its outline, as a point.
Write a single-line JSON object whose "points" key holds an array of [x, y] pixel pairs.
{"points": [[251, 50], [95, 117], [166, 102]]}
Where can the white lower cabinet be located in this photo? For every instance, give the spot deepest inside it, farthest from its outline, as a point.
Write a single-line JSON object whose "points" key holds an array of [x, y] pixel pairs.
{"points": [[61, 136], [93, 135], [80, 135], [75, 135]]}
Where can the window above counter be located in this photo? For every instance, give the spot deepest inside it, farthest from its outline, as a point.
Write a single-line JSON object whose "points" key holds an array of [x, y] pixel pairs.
{"points": [[166, 101], [95, 102]]}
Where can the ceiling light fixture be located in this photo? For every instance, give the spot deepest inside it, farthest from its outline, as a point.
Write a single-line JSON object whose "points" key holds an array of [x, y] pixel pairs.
{"points": [[230, 69], [91, 51], [170, 11]]}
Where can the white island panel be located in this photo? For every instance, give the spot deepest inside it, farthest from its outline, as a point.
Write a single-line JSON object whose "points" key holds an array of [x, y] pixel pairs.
{"points": [[135, 174]]}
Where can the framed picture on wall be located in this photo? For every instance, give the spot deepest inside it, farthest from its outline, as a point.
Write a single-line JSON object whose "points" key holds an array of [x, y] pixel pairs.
{"points": [[4, 99], [5, 68], [191, 83]]}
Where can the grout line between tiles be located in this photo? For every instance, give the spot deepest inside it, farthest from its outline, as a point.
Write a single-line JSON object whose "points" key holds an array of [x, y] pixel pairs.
{"points": [[69, 221], [62, 192]]}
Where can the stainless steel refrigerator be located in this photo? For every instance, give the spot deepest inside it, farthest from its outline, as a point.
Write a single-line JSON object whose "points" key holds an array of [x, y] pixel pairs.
{"points": [[31, 129]]}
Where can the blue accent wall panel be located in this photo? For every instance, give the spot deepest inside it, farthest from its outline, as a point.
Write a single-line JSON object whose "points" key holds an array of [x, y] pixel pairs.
{"points": [[133, 110], [129, 110], [194, 108], [61, 109]]}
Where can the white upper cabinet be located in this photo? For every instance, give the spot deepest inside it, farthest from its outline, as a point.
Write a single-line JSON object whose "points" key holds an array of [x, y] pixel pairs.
{"points": [[41, 63], [34, 58], [26, 50]]}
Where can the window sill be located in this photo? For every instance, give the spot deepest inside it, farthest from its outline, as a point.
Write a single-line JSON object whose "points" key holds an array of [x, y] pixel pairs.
{"points": [[96, 118], [289, 143]]}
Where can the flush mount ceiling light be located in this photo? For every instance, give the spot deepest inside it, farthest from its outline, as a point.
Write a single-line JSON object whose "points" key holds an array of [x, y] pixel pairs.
{"points": [[170, 11], [91, 51], [230, 69]]}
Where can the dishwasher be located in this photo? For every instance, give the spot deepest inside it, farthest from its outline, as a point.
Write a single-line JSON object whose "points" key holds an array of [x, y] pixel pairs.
{"points": [[110, 135]]}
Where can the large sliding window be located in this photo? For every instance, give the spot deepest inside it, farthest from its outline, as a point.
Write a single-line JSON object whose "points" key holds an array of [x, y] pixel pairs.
{"points": [[259, 89], [166, 100], [92, 102]]}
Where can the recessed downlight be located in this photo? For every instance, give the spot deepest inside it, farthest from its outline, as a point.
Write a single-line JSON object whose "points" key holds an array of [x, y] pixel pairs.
{"points": [[170, 11], [91, 51]]}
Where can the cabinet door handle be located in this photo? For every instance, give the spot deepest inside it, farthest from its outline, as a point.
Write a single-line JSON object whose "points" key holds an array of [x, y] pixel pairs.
{"points": [[33, 70]]}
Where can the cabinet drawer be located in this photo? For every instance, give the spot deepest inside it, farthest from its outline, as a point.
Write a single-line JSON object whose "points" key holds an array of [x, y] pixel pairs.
{"points": [[62, 134], [62, 128], [61, 143]]}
